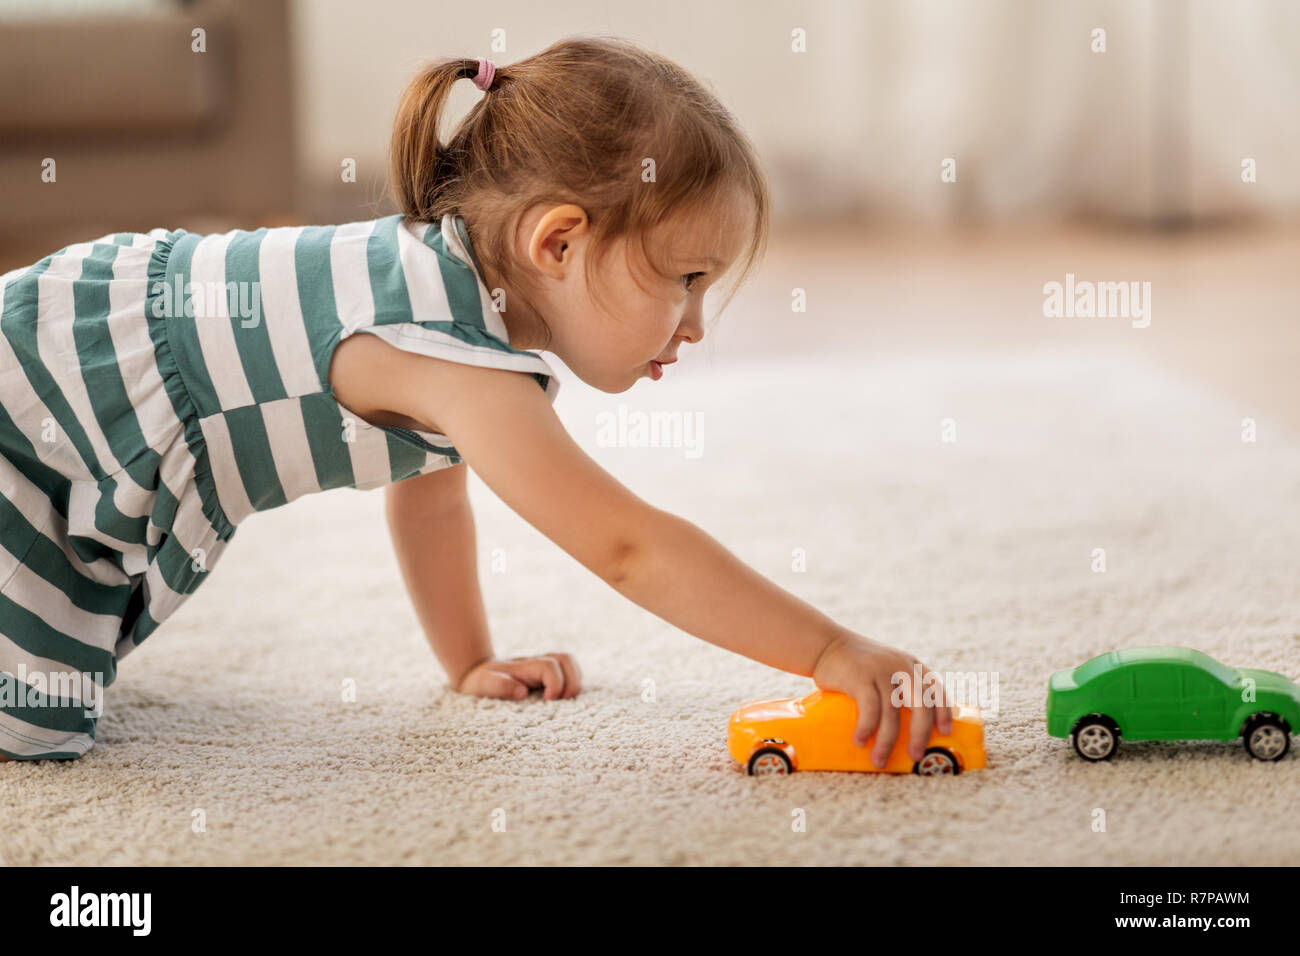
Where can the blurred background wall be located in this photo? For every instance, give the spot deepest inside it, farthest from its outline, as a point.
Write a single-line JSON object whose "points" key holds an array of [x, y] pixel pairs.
{"points": [[1122, 164], [1041, 126]]}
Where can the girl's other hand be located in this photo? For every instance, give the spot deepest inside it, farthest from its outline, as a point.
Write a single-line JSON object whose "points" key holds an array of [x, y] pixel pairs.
{"points": [[863, 669], [514, 677]]}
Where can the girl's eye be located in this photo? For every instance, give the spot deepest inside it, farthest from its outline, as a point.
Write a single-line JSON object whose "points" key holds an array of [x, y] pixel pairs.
{"points": [[689, 280]]}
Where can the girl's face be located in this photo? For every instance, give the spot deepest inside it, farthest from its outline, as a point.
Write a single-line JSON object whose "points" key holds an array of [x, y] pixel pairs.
{"points": [[641, 316]]}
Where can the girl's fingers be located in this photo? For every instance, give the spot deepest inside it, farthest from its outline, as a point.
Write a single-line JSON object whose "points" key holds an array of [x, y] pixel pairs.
{"points": [[495, 683], [926, 717], [868, 716], [922, 721], [943, 720], [942, 713], [544, 672], [929, 716], [886, 735], [572, 676], [557, 674], [887, 732]]}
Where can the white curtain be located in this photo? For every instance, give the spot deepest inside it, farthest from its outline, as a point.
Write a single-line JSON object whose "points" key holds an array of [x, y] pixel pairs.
{"points": [[1039, 125]]}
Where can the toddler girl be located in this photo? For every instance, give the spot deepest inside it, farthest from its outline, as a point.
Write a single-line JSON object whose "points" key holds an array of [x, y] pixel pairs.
{"points": [[158, 389]]}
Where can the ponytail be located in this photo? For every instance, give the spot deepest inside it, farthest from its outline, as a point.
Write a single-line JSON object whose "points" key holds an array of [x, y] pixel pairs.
{"points": [[422, 166]]}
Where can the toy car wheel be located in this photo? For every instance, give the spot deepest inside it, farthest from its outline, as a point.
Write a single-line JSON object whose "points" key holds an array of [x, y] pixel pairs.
{"points": [[769, 761], [936, 761], [1095, 738], [1266, 737]]}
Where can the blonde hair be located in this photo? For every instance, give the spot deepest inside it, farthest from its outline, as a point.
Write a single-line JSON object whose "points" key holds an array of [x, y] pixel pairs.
{"points": [[573, 124]]}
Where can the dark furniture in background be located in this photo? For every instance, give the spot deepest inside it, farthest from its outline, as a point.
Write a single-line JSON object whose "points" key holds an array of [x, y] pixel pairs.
{"points": [[144, 131]]}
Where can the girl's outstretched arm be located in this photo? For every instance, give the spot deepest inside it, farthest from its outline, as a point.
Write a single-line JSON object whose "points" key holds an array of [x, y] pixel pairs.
{"points": [[505, 428]]}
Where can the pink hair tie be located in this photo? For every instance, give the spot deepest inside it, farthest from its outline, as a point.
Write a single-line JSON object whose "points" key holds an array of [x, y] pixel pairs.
{"points": [[487, 71]]}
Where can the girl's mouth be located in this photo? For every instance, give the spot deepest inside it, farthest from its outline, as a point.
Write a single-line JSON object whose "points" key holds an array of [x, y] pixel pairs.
{"points": [[656, 371]]}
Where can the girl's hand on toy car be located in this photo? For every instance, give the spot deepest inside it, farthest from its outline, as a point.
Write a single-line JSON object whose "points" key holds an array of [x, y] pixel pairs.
{"points": [[512, 678], [864, 669]]}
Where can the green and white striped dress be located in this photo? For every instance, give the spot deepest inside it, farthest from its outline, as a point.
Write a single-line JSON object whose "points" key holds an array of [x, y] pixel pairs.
{"points": [[156, 389]]}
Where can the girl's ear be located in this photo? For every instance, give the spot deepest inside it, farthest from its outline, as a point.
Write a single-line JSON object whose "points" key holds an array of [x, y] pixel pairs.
{"points": [[558, 227]]}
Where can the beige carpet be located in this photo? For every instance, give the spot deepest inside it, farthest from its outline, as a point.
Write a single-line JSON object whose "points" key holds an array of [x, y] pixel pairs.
{"points": [[974, 555]]}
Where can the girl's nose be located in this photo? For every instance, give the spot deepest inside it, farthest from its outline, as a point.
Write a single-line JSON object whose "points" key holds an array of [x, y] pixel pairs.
{"points": [[691, 328]]}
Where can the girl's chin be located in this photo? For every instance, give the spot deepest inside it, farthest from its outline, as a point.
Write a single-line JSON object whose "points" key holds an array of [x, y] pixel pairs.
{"points": [[617, 387]]}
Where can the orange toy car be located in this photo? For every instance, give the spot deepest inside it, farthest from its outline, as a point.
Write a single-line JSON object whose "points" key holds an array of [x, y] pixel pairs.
{"points": [[816, 733]]}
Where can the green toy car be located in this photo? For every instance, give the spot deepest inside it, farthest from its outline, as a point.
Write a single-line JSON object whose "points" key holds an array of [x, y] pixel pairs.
{"points": [[1170, 693]]}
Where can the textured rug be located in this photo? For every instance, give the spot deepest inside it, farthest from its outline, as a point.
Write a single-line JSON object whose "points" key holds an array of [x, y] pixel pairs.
{"points": [[970, 542]]}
